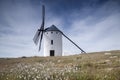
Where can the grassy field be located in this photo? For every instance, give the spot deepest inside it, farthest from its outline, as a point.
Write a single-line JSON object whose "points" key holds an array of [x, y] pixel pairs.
{"points": [[92, 66]]}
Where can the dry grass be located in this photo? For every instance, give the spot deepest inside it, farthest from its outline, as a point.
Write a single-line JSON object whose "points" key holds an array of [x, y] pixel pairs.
{"points": [[98, 66]]}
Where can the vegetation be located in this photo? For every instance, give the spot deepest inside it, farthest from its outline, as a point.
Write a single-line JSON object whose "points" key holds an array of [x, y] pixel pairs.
{"points": [[92, 66]]}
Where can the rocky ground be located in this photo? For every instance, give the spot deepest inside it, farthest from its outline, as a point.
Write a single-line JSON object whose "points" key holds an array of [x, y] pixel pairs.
{"points": [[92, 66]]}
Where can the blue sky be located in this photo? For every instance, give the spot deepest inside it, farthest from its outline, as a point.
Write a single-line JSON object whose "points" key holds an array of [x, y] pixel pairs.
{"points": [[92, 24]]}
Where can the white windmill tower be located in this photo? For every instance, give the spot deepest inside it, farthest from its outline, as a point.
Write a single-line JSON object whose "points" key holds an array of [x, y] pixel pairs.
{"points": [[52, 38], [52, 41]]}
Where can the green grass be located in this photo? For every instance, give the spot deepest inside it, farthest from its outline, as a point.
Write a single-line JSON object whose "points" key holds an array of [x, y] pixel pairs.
{"points": [[97, 66]]}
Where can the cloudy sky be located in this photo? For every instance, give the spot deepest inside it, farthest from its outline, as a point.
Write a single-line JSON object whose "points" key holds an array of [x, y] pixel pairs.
{"points": [[92, 24]]}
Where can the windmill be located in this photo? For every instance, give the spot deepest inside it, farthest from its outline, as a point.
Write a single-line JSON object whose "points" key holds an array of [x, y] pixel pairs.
{"points": [[52, 38]]}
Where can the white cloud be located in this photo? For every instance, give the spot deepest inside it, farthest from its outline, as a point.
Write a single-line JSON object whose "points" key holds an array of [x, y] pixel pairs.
{"points": [[103, 35], [23, 22]]}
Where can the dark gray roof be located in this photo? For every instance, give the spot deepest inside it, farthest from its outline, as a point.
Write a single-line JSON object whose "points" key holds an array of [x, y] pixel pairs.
{"points": [[52, 28]]}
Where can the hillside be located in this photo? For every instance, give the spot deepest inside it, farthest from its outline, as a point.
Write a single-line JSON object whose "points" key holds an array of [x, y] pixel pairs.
{"points": [[92, 66]]}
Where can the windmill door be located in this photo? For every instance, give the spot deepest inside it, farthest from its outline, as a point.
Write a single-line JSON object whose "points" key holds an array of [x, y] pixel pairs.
{"points": [[52, 52]]}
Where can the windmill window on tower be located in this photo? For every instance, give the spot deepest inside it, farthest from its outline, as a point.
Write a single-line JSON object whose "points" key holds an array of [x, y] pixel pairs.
{"points": [[51, 42], [51, 32], [56, 32]]}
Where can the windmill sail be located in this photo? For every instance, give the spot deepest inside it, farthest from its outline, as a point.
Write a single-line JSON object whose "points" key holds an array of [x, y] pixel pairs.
{"points": [[39, 34], [82, 51], [43, 18], [40, 41], [36, 37], [42, 26]]}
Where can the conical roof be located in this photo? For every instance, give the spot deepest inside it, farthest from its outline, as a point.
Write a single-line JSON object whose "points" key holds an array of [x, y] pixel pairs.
{"points": [[52, 28]]}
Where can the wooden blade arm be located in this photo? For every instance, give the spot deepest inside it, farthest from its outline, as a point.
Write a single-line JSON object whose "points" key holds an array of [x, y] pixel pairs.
{"points": [[82, 51]]}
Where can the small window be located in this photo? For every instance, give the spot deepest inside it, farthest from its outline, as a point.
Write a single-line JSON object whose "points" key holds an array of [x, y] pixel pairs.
{"points": [[51, 32], [56, 32], [51, 42]]}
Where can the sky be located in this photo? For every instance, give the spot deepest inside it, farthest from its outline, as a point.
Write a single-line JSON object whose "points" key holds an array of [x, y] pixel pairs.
{"points": [[92, 24]]}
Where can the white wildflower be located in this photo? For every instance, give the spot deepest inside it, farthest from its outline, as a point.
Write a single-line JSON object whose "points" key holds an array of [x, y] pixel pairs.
{"points": [[113, 56], [107, 53], [34, 79]]}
